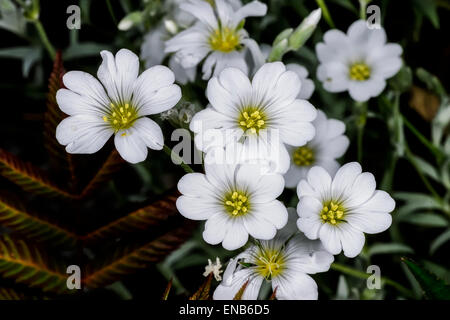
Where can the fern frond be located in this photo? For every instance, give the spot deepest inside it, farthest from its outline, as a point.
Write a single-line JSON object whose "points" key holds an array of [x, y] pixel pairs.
{"points": [[52, 117], [17, 219], [25, 264], [128, 261], [109, 167], [29, 177], [138, 220]]}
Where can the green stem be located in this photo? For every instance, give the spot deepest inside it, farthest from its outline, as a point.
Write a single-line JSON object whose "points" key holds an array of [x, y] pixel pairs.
{"points": [[424, 179], [325, 13], [362, 9], [361, 118], [176, 157], [362, 275], [438, 153], [111, 12], [43, 35]]}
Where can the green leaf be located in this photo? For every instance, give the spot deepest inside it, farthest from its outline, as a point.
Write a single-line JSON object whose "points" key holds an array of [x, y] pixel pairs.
{"points": [[433, 287], [389, 248], [426, 220], [439, 241], [84, 50], [429, 9]]}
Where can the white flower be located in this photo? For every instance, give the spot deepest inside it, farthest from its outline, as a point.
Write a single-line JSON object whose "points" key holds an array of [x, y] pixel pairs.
{"points": [[116, 105], [214, 268], [253, 113], [285, 265], [328, 144], [236, 200], [337, 211], [218, 36], [359, 61], [307, 87]]}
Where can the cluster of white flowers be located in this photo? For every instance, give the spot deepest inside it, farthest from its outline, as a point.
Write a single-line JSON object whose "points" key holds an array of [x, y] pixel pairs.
{"points": [[258, 119]]}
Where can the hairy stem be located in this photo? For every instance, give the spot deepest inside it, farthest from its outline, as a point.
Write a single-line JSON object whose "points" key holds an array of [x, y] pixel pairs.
{"points": [[177, 158], [362, 275], [43, 35]]}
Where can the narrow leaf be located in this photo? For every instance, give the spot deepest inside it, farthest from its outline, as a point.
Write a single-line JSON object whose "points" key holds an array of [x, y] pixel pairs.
{"points": [[241, 291], [167, 290], [433, 288]]}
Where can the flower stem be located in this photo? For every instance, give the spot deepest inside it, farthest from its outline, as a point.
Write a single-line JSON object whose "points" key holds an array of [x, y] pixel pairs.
{"points": [[436, 151], [361, 119], [111, 12], [178, 159], [326, 13], [362, 275], [43, 35]]}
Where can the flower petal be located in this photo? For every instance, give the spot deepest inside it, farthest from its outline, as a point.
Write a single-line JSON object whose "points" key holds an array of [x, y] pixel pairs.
{"points": [[83, 134], [274, 211], [118, 74], [150, 133], [295, 286], [236, 236], [130, 145], [195, 208]]}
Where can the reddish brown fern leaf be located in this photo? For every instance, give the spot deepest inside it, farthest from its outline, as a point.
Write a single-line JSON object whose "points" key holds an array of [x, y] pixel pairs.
{"points": [[203, 293], [112, 164], [52, 117], [141, 219], [128, 261], [29, 177]]}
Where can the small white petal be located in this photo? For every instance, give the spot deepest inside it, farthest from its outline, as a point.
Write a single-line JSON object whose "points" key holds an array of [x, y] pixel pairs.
{"points": [[236, 236], [274, 211], [150, 133], [352, 240], [295, 286], [130, 145], [195, 208]]}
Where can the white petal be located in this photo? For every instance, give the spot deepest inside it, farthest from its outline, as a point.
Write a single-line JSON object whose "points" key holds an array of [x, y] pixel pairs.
{"points": [[195, 208], [72, 103], [293, 176], [352, 240], [150, 133], [130, 145], [344, 179], [295, 286], [381, 202], [229, 91], [370, 222], [216, 227], [334, 76], [87, 86], [83, 134], [118, 74], [266, 79], [153, 88], [331, 238], [364, 90], [202, 10], [196, 185], [228, 292], [363, 188], [320, 180], [258, 227], [236, 236], [274, 211], [252, 9], [308, 256], [263, 188]]}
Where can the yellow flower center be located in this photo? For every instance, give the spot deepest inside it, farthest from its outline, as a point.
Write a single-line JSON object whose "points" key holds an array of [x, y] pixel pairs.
{"points": [[236, 203], [121, 116], [303, 156], [269, 263], [359, 72], [224, 39], [332, 212], [252, 119]]}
